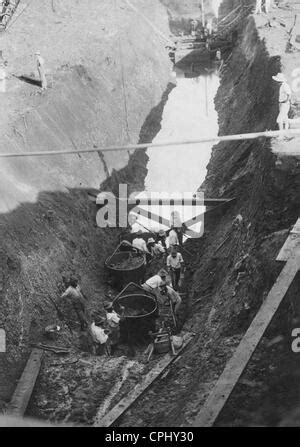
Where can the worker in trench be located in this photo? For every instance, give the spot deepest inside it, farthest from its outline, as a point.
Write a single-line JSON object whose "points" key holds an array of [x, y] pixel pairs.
{"points": [[100, 336], [152, 284], [140, 244], [169, 296], [161, 238], [113, 320], [155, 248], [175, 265], [78, 300], [284, 101], [178, 227], [173, 238]]}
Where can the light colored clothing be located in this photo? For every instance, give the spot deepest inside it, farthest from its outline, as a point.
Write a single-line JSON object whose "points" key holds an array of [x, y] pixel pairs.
{"points": [[74, 293], [140, 244], [98, 334], [173, 295], [41, 70], [209, 27], [285, 93], [2, 80], [175, 263], [258, 7], [284, 99], [135, 227], [113, 319], [153, 283], [173, 238], [158, 249], [268, 5], [283, 116]]}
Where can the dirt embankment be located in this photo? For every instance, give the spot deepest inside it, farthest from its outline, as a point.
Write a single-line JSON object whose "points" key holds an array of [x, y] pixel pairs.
{"points": [[47, 222], [229, 282]]}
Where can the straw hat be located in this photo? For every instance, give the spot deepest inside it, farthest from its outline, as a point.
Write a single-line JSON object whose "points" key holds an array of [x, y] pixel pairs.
{"points": [[279, 77], [162, 233], [151, 240]]}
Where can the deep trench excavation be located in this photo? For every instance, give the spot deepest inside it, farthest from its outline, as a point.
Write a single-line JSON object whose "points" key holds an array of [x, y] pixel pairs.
{"points": [[155, 287]]}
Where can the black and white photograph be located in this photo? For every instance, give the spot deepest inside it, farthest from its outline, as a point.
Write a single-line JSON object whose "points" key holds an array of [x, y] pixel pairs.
{"points": [[149, 217]]}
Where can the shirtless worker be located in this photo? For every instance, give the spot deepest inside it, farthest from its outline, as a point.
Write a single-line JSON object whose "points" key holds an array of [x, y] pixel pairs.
{"points": [[173, 297], [284, 99]]}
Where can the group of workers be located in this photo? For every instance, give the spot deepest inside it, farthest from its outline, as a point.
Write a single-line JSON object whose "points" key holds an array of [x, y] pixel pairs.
{"points": [[104, 331], [157, 247], [206, 30]]}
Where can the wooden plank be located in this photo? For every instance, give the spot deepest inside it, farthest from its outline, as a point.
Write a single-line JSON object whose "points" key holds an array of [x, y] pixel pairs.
{"points": [[140, 388], [238, 362], [22, 394], [291, 244]]}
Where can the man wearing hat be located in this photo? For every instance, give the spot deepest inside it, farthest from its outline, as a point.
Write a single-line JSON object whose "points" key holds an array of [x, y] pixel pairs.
{"points": [[154, 248], [41, 69], [284, 99]]}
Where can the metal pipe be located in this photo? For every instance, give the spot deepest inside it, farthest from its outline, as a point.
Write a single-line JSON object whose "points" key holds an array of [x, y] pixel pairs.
{"points": [[216, 139]]}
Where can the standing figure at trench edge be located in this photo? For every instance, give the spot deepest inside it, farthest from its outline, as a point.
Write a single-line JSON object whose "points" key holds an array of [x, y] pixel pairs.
{"points": [[284, 100]]}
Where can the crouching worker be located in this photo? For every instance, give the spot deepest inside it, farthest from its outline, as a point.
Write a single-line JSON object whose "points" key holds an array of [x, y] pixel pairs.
{"points": [[152, 284], [99, 336], [113, 322], [140, 244], [172, 296], [154, 248]]}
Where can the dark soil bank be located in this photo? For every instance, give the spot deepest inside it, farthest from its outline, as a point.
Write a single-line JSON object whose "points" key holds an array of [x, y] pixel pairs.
{"points": [[234, 280]]}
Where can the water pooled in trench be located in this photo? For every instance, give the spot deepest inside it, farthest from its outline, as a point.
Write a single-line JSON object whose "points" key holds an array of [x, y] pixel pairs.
{"points": [[188, 114]]}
